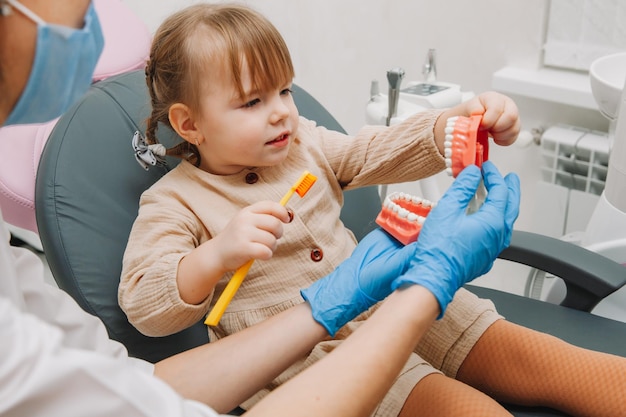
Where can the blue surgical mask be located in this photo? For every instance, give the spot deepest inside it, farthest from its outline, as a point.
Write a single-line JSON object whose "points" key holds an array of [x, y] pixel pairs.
{"points": [[65, 59]]}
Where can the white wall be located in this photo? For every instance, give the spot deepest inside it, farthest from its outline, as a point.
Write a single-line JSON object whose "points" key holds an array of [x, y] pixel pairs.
{"points": [[338, 47]]}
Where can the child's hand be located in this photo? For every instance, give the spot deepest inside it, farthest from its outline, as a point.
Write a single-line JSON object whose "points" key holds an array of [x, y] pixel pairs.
{"points": [[500, 117], [252, 234]]}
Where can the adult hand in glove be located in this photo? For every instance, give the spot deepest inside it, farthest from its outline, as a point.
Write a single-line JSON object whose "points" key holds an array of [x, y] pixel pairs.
{"points": [[359, 282], [455, 247]]}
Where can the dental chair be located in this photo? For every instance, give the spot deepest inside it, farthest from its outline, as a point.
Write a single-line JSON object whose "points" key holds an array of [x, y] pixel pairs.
{"points": [[87, 197]]}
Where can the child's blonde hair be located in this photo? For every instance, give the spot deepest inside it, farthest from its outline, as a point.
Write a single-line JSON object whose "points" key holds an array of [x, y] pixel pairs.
{"points": [[207, 36]]}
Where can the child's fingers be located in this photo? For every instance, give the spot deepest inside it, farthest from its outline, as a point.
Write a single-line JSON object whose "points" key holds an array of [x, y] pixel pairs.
{"points": [[500, 117], [272, 208]]}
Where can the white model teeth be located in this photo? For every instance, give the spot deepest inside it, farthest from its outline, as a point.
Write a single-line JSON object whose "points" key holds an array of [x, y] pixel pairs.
{"points": [[450, 124], [404, 213], [447, 143]]}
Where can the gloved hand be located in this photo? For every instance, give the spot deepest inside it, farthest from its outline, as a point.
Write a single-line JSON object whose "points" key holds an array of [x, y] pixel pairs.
{"points": [[359, 282], [454, 247]]}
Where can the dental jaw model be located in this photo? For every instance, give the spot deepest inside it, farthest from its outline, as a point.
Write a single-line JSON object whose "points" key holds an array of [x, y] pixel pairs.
{"points": [[403, 215], [464, 145]]}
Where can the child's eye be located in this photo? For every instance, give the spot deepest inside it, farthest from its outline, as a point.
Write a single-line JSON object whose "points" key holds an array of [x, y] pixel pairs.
{"points": [[286, 92], [252, 103]]}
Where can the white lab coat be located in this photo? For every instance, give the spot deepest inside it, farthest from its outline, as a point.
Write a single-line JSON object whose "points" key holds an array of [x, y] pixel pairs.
{"points": [[57, 360]]}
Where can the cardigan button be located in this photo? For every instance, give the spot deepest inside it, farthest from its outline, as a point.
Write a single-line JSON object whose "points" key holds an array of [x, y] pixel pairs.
{"points": [[317, 254], [252, 177]]}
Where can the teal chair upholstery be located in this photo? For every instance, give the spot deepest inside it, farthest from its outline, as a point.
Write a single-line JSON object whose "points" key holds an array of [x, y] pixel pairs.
{"points": [[87, 195]]}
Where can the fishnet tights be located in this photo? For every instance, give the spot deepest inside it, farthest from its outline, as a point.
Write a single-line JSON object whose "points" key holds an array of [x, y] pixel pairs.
{"points": [[522, 366], [437, 395], [517, 365]]}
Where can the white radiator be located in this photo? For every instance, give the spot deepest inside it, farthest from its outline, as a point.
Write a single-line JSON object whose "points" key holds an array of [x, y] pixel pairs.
{"points": [[573, 174]]}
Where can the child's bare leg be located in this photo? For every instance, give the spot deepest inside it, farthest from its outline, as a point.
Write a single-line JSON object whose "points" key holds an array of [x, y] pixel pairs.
{"points": [[438, 395], [518, 365]]}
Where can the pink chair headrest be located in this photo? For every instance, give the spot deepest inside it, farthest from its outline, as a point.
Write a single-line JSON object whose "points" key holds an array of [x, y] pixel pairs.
{"points": [[126, 39]]}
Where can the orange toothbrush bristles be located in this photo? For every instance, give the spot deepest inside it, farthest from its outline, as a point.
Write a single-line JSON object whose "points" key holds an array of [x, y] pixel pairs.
{"points": [[300, 187]]}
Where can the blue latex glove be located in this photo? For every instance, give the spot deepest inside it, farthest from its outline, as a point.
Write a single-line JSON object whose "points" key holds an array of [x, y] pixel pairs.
{"points": [[359, 282], [454, 247]]}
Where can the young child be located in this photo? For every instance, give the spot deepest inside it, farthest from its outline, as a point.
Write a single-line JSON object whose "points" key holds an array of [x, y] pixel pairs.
{"points": [[220, 76]]}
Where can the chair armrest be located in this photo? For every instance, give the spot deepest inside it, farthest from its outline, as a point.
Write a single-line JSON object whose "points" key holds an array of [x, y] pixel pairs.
{"points": [[589, 276]]}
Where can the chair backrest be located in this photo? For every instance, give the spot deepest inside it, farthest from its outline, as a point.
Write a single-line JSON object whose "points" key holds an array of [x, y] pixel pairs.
{"points": [[87, 197]]}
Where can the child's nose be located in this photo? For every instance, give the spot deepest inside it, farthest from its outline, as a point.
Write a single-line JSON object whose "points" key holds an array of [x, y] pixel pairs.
{"points": [[280, 110]]}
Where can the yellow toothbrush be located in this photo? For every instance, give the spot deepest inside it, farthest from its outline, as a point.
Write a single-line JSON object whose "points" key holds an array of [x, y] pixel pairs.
{"points": [[300, 187]]}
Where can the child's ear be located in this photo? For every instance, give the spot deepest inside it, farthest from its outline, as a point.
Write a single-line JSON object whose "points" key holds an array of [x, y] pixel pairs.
{"points": [[182, 122]]}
